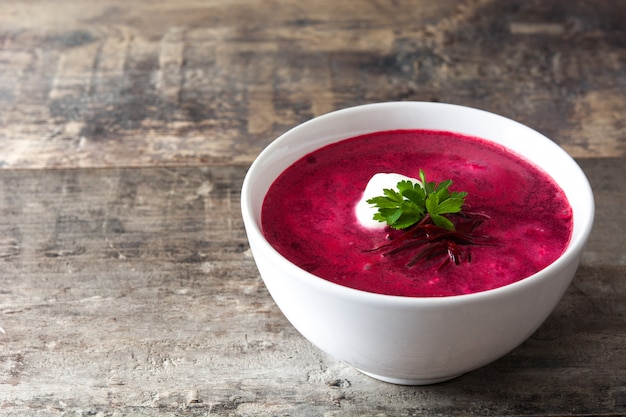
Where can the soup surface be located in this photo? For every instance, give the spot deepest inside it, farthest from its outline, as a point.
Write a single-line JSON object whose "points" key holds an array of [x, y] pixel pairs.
{"points": [[308, 214]]}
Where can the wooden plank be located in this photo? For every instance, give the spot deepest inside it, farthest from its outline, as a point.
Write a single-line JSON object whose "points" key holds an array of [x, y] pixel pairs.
{"points": [[116, 84], [132, 291]]}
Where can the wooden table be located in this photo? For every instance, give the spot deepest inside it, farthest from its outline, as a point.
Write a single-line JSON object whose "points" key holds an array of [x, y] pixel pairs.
{"points": [[126, 127]]}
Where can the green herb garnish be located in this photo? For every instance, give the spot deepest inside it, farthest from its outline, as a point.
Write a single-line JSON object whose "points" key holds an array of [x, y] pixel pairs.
{"points": [[431, 218], [412, 201]]}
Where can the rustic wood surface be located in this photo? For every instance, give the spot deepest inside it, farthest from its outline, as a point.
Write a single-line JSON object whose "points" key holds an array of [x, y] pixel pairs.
{"points": [[126, 127]]}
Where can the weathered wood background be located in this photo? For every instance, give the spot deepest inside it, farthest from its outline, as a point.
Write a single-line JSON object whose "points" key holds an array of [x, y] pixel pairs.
{"points": [[126, 127]]}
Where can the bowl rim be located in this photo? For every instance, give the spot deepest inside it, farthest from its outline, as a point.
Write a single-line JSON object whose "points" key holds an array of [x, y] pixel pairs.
{"points": [[254, 230]]}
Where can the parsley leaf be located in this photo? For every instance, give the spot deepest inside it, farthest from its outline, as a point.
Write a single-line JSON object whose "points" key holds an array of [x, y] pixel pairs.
{"points": [[412, 201]]}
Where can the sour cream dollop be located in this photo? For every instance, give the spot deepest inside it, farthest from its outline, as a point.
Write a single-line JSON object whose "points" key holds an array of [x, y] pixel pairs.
{"points": [[363, 210]]}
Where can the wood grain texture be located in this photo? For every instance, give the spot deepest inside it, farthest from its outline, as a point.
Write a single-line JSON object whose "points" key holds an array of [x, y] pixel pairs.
{"points": [[132, 291], [116, 83]]}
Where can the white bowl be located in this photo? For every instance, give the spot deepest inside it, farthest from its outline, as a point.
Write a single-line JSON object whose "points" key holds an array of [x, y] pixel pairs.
{"points": [[413, 340]]}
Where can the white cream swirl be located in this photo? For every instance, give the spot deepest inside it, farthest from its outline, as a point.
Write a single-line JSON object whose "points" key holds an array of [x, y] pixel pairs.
{"points": [[363, 210]]}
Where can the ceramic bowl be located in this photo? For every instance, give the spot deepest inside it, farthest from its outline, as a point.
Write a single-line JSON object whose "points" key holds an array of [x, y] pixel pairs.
{"points": [[413, 340]]}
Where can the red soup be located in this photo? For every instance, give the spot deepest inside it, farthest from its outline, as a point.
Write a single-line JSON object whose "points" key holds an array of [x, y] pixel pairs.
{"points": [[309, 216]]}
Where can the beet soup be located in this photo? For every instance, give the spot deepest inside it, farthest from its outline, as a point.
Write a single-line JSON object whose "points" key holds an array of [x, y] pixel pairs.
{"points": [[308, 214]]}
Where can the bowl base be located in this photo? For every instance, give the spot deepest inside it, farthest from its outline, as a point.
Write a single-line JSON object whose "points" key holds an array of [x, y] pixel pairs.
{"points": [[403, 381]]}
